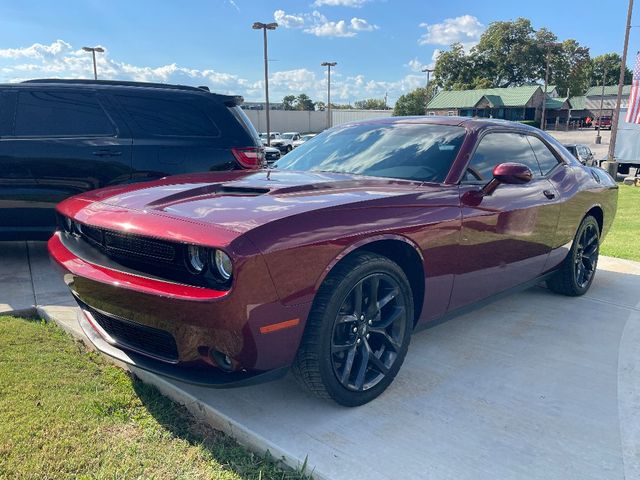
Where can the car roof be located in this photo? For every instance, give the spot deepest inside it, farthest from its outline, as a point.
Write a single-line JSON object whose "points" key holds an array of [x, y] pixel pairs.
{"points": [[229, 100]]}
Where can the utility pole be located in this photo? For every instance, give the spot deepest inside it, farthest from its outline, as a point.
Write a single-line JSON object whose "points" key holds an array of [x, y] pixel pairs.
{"points": [[543, 120], [604, 76], [426, 100], [328, 65], [264, 27], [614, 119], [93, 51]]}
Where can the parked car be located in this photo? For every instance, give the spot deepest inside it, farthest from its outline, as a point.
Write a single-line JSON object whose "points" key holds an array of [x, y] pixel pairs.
{"points": [[604, 122], [285, 142], [330, 262], [582, 153], [271, 155], [302, 139], [272, 135], [59, 138]]}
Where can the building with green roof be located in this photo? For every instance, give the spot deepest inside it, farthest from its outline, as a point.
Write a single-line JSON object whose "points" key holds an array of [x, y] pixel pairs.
{"points": [[511, 103]]}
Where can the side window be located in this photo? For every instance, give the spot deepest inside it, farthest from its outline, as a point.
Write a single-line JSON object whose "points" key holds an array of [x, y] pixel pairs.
{"points": [[496, 148], [168, 117], [60, 114], [546, 159]]}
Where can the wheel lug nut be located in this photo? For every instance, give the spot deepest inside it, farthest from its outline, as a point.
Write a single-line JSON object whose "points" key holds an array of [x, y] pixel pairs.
{"points": [[367, 336], [354, 329], [361, 317], [370, 322], [358, 340]]}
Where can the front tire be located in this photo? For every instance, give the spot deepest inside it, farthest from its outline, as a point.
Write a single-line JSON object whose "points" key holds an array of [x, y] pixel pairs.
{"points": [[358, 331], [576, 273]]}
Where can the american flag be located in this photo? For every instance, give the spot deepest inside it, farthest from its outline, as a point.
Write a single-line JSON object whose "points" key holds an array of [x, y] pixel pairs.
{"points": [[633, 111]]}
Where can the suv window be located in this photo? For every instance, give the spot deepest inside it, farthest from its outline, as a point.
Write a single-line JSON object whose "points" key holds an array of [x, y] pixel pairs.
{"points": [[56, 114], [497, 148], [546, 159], [168, 117]]}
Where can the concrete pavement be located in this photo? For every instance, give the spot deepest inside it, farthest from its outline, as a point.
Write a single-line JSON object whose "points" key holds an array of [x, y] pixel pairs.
{"points": [[534, 386]]}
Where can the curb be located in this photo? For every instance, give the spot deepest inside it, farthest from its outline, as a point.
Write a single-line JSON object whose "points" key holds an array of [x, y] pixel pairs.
{"points": [[201, 411]]}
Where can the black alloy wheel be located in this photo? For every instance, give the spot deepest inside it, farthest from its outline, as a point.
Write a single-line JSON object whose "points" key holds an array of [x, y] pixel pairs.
{"points": [[358, 330], [576, 273]]}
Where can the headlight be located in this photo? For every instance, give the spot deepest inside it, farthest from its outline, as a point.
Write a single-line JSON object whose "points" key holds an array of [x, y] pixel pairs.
{"points": [[223, 265], [196, 258]]}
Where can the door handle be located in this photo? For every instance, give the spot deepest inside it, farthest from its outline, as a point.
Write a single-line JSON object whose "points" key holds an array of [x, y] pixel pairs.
{"points": [[107, 153], [549, 194]]}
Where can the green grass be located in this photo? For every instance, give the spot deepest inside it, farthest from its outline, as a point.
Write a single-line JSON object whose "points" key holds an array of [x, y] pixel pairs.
{"points": [[623, 239], [67, 413]]}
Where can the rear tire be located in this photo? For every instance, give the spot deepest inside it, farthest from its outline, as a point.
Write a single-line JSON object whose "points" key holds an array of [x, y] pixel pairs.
{"points": [[577, 271], [358, 331]]}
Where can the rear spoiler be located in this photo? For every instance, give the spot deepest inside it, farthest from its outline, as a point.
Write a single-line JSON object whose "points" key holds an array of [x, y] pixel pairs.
{"points": [[231, 100]]}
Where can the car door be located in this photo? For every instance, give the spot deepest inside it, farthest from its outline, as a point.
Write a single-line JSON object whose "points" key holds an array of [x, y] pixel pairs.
{"points": [[17, 184], [506, 236], [69, 143]]}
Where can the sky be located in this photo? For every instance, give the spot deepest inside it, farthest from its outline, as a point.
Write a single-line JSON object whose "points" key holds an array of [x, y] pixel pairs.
{"points": [[380, 45]]}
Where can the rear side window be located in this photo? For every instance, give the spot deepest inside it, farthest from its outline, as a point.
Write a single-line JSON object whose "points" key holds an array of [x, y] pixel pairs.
{"points": [[239, 115], [60, 114], [546, 159], [168, 116], [497, 148]]}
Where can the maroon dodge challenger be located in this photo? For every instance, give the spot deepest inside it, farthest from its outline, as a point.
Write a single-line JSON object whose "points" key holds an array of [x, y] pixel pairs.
{"points": [[327, 263]]}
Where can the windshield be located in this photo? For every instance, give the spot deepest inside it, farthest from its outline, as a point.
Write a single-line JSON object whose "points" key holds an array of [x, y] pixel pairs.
{"points": [[307, 137], [407, 151], [288, 136]]}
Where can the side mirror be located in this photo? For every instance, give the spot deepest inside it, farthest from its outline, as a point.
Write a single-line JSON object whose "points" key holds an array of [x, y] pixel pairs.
{"points": [[508, 173]]}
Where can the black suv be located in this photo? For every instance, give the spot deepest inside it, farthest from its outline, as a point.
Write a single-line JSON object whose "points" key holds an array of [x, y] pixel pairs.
{"points": [[62, 137]]}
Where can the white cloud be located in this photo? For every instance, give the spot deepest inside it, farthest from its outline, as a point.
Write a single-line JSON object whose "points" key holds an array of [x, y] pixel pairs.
{"points": [[37, 50], [288, 21], [340, 3], [62, 60], [361, 25], [315, 23], [465, 29]]}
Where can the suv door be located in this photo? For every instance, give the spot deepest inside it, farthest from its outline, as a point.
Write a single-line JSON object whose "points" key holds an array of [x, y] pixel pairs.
{"points": [[70, 144], [17, 184], [176, 132], [506, 237]]}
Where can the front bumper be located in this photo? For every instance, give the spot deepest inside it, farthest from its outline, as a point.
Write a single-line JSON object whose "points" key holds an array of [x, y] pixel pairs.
{"points": [[177, 330]]}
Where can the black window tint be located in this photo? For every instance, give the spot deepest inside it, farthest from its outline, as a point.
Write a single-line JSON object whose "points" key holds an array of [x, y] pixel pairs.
{"points": [[60, 114], [497, 148], [546, 159], [168, 117]]}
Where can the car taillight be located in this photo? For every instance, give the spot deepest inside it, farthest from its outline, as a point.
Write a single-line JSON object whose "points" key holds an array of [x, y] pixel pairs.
{"points": [[249, 157]]}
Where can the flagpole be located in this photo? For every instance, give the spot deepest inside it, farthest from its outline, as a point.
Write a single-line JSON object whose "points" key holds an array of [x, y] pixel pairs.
{"points": [[616, 117]]}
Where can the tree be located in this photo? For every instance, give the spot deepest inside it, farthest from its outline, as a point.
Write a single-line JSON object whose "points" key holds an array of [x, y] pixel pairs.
{"points": [[454, 69], [412, 103], [609, 65], [303, 102], [288, 102], [371, 104], [320, 105], [567, 68]]}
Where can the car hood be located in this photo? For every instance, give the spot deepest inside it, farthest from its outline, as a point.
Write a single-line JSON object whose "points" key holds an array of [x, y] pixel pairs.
{"points": [[242, 200]]}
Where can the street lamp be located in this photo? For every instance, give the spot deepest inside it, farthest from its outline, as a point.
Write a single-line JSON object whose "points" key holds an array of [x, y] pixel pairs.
{"points": [[264, 27], [549, 45], [328, 65], [426, 105], [93, 51]]}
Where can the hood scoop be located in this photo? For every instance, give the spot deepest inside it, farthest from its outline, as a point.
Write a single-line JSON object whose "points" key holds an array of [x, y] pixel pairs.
{"points": [[207, 191]]}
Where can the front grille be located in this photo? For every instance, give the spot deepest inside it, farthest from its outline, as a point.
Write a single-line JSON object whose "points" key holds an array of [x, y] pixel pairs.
{"points": [[130, 245], [141, 338]]}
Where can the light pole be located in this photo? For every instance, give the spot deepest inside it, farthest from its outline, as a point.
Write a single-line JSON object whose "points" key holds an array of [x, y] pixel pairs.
{"points": [[328, 65], [426, 104], [93, 51], [543, 120], [264, 27], [614, 119]]}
